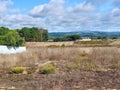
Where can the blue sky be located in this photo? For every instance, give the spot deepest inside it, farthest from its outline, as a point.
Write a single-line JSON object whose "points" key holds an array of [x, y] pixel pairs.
{"points": [[61, 15]]}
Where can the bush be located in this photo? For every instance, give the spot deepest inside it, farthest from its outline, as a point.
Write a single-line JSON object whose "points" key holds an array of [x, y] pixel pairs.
{"points": [[47, 69], [84, 53], [89, 66], [116, 66], [63, 45], [17, 70], [72, 66]]}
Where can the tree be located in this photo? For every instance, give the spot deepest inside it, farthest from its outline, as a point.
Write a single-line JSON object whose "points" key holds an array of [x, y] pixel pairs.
{"points": [[14, 39], [68, 38], [3, 30], [34, 34], [43, 34], [73, 37]]}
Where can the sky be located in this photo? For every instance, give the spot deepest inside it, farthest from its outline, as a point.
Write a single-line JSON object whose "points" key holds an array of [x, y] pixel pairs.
{"points": [[61, 15]]}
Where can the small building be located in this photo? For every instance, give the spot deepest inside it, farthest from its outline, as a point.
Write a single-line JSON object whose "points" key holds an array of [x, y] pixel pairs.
{"points": [[11, 50], [84, 39]]}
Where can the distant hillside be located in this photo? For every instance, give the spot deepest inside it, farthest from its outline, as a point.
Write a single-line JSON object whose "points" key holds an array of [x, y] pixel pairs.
{"points": [[91, 34]]}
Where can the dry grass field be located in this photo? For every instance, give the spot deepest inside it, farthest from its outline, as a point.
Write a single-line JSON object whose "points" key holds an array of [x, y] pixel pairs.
{"points": [[76, 68], [50, 44]]}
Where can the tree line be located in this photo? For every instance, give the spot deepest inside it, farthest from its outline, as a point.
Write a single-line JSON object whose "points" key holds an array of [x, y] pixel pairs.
{"points": [[72, 37], [18, 37]]}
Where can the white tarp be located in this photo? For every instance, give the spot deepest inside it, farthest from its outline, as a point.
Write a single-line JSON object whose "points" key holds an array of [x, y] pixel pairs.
{"points": [[11, 50]]}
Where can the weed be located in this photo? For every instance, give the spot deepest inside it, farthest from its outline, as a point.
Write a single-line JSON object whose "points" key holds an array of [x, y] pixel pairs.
{"points": [[63, 45], [47, 69], [89, 66], [72, 66], [17, 70], [116, 66], [101, 69], [84, 53]]}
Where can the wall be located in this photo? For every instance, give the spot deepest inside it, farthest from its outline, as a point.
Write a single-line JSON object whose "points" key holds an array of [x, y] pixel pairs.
{"points": [[11, 50]]}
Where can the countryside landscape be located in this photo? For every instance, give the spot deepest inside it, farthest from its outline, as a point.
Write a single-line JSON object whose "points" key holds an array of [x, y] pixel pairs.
{"points": [[74, 46]]}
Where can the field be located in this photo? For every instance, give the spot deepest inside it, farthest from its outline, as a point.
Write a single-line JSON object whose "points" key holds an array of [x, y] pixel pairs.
{"points": [[93, 43], [76, 68]]}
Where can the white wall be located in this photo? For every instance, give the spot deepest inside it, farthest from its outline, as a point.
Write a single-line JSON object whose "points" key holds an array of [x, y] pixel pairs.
{"points": [[11, 50]]}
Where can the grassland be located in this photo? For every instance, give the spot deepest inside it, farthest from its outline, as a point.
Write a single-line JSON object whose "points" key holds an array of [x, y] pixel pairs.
{"points": [[76, 68]]}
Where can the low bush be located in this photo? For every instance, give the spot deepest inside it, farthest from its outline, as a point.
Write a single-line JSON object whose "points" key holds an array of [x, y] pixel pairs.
{"points": [[72, 66], [89, 66], [84, 54], [47, 69], [17, 70], [63, 45], [116, 66]]}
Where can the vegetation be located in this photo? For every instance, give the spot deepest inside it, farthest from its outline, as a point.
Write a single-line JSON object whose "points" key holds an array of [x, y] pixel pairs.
{"points": [[47, 69], [116, 65], [76, 68], [18, 37], [91, 34], [34, 34], [10, 38], [17, 70], [93, 43], [63, 45], [68, 38]]}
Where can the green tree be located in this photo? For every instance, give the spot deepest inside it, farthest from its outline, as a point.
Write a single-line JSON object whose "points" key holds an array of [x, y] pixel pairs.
{"points": [[3, 30], [73, 37], [13, 39], [34, 34]]}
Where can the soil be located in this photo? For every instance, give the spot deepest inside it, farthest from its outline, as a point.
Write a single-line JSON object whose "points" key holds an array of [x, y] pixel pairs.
{"points": [[73, 80]]}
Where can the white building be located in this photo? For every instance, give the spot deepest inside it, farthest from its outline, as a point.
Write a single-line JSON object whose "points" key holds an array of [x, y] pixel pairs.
{"points": [[85, 39], [11, 50]]}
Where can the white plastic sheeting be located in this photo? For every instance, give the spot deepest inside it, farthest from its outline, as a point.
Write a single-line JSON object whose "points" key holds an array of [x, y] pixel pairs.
{"points": [[11, 50]]}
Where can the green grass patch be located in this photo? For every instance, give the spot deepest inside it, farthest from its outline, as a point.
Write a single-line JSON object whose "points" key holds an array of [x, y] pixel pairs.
{"points": [[17, 70], [47, 69], [116, 66]]}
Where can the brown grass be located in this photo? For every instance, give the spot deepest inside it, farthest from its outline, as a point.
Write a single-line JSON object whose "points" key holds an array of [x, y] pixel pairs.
{"points": [[77, 68]]}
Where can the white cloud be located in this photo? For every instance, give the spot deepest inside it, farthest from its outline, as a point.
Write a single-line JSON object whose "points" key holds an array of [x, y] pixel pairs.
{"points": [[82, 7], [52, 8], [4, 4], [57, 17]]}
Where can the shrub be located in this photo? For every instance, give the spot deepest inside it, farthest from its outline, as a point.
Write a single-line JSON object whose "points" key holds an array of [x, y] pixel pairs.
{"points": [[63, 45], [17, 70], [47, 69], [72, 66], [89, 66], [101, 69], [116, 66], [84, 53]]}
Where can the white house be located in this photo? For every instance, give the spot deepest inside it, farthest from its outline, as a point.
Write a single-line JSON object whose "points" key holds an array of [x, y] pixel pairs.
{"points": [[11, 50], [85, 39]]}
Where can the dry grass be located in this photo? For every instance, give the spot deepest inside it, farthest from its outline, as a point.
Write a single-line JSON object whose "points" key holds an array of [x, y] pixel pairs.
{"points": [[39, 55], [76, 68], [99, 56], [44, 44], [94, 43]]}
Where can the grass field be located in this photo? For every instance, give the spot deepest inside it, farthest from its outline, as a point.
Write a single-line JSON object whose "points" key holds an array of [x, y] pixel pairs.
{"points": [[93, 43], [76, 68]]}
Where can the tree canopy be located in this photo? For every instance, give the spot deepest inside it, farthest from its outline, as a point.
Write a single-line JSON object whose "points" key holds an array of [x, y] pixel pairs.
{"points": [[34, 34], [68, 38], [10, 37], [19, 36]]}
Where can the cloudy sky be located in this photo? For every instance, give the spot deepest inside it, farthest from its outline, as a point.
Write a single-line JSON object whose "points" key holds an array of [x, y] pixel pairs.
{"points": [[61, 15]]}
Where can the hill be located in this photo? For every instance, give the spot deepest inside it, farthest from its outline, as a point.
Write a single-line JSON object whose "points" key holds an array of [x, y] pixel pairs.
{"points": [[91, 34]]}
